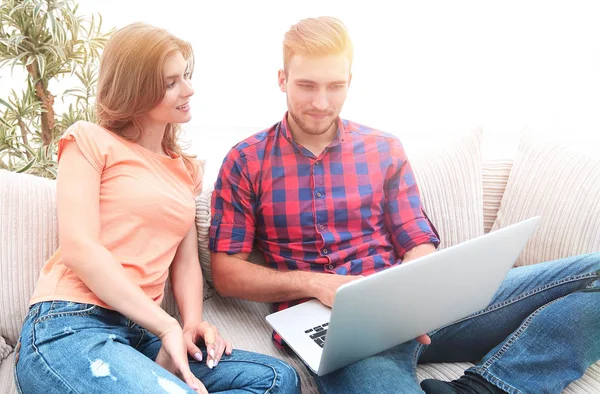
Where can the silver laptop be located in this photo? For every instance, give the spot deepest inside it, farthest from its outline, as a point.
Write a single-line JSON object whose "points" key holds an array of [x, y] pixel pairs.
{"points": [[390, 307]]}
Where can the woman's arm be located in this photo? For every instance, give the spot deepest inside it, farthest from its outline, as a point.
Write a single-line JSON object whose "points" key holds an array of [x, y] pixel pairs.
{"points": [[187, 283], [78, 191], [186, 279]]}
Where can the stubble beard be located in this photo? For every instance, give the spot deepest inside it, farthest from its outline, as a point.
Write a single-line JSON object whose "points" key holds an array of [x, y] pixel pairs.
{"points": [[305, 128]]}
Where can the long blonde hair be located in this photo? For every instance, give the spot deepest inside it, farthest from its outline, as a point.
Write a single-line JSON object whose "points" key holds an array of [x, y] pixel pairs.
{"points": [[320, 36], [131, 81]]}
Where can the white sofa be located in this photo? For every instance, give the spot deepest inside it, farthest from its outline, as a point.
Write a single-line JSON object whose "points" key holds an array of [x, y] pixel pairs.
{"points": [[462, 193]]}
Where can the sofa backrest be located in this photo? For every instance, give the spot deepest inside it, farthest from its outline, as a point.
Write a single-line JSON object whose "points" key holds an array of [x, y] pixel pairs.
{"points": [[29, 236]]}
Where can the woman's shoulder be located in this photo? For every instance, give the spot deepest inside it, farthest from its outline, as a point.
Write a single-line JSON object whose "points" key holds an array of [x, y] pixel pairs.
{"points": [[96, 143], [89, 130], [195, 168]]}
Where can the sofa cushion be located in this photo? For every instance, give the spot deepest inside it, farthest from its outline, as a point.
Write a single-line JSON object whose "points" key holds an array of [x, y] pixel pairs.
{"points": [[29, 237], [560, 181], [5, 349], [494, 177], [7, 380], [448, 174]]}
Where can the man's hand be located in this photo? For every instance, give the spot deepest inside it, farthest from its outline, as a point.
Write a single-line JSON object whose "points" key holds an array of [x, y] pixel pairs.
{"points": [[324, 286], [215, 344], [424, 339]]}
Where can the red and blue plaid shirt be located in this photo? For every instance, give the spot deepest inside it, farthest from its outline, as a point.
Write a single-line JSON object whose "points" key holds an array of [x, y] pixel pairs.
{"points": [[353, 210]]}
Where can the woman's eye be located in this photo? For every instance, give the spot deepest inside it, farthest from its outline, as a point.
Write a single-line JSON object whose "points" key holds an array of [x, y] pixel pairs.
{"points": [[170, 85]]}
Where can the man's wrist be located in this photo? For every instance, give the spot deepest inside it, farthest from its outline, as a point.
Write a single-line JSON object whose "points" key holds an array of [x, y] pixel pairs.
{"points": [[309, 282]]}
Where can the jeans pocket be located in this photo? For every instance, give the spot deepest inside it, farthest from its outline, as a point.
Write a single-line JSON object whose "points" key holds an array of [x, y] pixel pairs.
{"points": [[52, 309]]}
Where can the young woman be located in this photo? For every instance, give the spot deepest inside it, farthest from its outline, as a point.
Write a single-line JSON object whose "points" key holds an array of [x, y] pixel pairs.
{"points": [[125, 195]]}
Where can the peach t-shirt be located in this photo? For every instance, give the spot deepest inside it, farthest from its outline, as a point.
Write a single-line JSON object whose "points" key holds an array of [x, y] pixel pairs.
{"points": [[146, 208]]}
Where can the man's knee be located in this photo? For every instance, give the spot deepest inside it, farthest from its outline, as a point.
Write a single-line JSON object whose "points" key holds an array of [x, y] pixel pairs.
{"points": [[288, 380], [275, 376]]}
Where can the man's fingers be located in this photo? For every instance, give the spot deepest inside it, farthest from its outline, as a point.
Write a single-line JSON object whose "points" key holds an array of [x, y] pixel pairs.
{"points": [[424, 339]]}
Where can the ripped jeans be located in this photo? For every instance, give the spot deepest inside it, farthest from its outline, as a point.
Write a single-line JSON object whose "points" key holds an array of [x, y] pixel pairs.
{"points": [[68, 347]]}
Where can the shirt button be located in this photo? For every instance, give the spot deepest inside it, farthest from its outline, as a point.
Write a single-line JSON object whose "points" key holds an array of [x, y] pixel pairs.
{"points": [[324, 251], [319, 194], [317, 162], [329, 267], [321, 226]]}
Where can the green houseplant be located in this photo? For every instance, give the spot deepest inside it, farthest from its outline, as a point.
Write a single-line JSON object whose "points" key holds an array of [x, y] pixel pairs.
{"points": [[55, 47]]}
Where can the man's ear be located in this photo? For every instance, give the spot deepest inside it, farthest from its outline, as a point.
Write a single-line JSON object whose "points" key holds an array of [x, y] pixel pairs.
{"points": [[282, 80]]}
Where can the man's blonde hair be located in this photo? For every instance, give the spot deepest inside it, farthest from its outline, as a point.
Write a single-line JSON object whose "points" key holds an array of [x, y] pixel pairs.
{"points": [[320, 36]]}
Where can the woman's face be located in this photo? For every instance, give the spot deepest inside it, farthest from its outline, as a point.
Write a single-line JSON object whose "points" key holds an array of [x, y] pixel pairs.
{"points": [[175, 105]]}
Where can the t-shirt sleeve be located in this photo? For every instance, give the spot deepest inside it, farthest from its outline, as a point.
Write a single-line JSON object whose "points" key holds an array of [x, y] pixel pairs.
{"points": [[89, 140]]}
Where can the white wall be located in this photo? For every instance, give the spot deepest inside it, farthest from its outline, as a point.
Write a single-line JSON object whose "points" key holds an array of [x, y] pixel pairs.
{"points": [[422, 68]]}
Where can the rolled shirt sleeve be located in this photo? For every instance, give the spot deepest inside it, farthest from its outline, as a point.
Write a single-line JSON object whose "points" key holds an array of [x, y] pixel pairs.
{"points": [[233, 220], [405, 218]]}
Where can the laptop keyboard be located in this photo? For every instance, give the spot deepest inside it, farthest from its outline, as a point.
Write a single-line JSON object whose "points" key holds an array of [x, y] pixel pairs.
{"points": [[318, 333]]}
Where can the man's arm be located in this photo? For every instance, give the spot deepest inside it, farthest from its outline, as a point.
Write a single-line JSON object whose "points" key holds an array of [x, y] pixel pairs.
{"points": [[419, 251], [411, 232], [234, 276], [232, 238]]}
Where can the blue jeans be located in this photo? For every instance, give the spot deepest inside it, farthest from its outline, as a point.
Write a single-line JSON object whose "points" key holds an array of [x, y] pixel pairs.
{"points": [[68, 347], [540, 332]]}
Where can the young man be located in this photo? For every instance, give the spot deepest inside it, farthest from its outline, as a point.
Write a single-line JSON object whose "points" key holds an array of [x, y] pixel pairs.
{"points": [[328, 201]]}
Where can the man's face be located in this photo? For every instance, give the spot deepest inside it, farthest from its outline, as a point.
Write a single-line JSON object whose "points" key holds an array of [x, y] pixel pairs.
{"points": [[316, 88]]}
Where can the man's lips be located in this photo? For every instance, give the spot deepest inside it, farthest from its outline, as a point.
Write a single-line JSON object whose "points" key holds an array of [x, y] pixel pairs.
{"points": [[318, 116]]}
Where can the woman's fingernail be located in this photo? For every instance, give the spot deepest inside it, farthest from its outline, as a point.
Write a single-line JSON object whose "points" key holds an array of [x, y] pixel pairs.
{"points": [[198, 356], [212, 353], [211, 364]]}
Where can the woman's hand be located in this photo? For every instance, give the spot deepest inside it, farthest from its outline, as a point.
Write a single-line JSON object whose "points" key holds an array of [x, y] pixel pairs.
{"points": [[215, 344], [172, 356]]}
